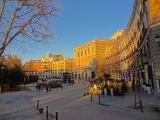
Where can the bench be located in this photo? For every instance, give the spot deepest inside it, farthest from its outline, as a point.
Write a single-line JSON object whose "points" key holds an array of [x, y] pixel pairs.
{"points": [[156, 106]]}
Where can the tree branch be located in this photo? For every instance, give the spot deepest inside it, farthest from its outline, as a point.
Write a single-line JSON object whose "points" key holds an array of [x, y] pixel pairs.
{"points": [[2, 9]]}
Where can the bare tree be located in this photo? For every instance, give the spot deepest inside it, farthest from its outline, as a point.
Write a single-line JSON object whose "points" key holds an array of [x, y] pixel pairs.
{"points": [[13, 61], [26, 22]]}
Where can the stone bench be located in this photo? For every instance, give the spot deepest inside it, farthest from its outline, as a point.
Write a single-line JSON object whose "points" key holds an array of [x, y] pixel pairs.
{"points": [[156, 106]]}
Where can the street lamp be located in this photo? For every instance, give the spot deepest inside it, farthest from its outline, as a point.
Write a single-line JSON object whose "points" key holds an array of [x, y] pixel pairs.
{"points": [[24, 81], [1, 78], [134, 86]]}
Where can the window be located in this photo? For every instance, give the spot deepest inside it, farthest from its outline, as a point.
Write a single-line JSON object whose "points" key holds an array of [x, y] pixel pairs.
{"points": [[81, 53], [92, 49], [78, 54], [145, 52], [148, 49], [85, 52], [88, 50]]}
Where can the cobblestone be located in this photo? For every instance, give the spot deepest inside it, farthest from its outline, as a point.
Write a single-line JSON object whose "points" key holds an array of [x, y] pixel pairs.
{"points": [[72, 105]]}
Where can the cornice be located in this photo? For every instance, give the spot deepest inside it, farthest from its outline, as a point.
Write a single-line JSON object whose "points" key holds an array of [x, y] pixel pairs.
{"points": [[117, 42]]}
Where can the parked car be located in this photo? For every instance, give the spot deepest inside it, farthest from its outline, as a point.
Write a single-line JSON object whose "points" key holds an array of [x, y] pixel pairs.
{"points": [[54, 84]]}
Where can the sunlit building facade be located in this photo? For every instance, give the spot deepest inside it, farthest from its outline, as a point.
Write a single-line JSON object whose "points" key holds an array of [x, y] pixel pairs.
{"points": [[49, 66], [32, 67], [135, 55], [89, 59]]}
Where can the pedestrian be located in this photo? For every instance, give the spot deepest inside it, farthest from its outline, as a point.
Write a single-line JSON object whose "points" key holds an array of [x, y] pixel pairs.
{"points": [[47, 87], [72, 82], [133, 85], [137, 85], [39, 87], [61, 85], [127, 86]]}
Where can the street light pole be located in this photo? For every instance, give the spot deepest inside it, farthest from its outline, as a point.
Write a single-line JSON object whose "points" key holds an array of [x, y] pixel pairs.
{"points": [[24, 81], [134, 85], [1, 78]]}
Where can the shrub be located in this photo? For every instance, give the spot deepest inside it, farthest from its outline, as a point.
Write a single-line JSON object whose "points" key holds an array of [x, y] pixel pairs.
{"points": [[11, 84]]}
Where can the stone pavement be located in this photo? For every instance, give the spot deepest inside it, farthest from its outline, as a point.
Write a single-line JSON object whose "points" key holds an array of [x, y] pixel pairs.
{"points": [[72, 105]]}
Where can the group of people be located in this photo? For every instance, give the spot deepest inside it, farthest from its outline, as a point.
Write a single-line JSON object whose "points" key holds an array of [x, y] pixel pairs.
{"points": [[39, 84], [135, 84]]}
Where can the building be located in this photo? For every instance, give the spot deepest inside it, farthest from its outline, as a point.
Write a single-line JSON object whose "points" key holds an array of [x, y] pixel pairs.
{"points": [[130, 54], [33, 67], [135, 55], [89, 59], [49, 66]]}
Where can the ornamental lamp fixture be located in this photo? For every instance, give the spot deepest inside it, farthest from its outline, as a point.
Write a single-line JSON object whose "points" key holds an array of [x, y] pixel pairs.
{"points": [[157, 37]]}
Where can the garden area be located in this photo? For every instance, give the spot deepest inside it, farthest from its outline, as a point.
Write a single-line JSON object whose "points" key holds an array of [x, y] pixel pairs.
{"points": [[108, 87], [12, 78]]}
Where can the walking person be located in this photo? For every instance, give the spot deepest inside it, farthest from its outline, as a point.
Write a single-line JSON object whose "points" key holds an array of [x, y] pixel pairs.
{"points": [[39, 87], [72, 82], [47, 87], [61, 85], [127, 86], [133, 85], [137, 85]]}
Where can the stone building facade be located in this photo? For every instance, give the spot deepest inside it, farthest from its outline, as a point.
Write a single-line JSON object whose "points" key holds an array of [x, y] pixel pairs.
{"points": [[49, 66], [130, 54], [89, 59], [135, 55]]}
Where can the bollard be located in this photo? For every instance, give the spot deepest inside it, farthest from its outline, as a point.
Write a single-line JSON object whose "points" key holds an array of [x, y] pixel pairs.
{"points": [[56, 115], [141, 105], [47, 113], [135, 97], [91, 96], [37, 104]]}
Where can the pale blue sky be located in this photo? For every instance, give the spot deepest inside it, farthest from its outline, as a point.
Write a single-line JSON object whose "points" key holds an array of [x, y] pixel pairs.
{"points": [[80, 22]]}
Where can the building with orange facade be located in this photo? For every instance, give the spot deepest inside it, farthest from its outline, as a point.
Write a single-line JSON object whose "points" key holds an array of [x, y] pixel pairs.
{"points": [[49, 66]]}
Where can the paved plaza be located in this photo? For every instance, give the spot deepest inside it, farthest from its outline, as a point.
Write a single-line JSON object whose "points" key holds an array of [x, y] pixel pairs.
{"points": [[71, 104]]}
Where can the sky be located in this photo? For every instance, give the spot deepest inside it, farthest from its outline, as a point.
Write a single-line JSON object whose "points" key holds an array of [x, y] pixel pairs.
{"points": [[82, 21]]}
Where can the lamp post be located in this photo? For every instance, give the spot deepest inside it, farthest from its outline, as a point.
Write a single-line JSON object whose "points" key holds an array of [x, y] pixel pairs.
{"points": [[133, 75], [1, 78], [24, 81], [99, 93]]}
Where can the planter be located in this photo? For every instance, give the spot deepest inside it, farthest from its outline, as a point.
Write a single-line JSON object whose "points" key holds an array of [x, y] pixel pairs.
{"points": [[105, 91], [111, 91], [148, 90], [144, 87]]}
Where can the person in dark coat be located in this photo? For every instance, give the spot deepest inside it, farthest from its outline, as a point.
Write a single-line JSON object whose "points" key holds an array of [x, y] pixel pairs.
{"points": [[47, 87], [61, 85], [138, 85], [39, 87], [133, 85]]}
